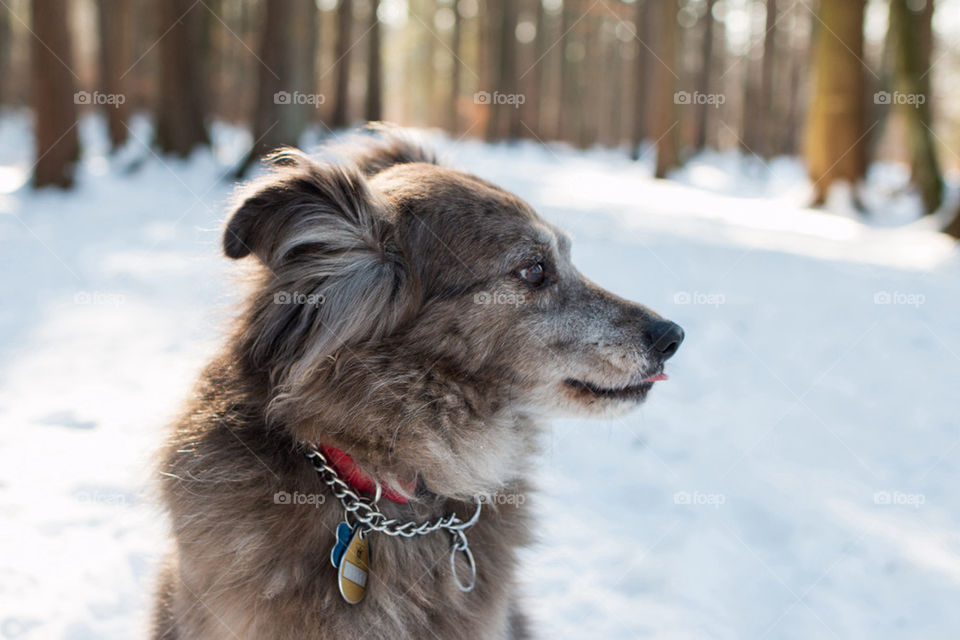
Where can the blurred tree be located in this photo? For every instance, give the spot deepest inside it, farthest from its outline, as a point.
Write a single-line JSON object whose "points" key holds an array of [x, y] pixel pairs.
{"points": [[306, 38], [434, 85], [535, 70], [215, 56], [721, 114], [373, 107], [911, 40], [341, 105], [232, 32], [419, 66], [609, 72], [589, 79], [704, 79], [954, 227], [568, 119], [116, 56], [6, 54], [665, 122], [504, 116], [283, 94], [834, 147], [766, 115], [792, 89], [750, 129], [54, 100], [550, 66], [456, 70], [642, 25], [180, 106]]}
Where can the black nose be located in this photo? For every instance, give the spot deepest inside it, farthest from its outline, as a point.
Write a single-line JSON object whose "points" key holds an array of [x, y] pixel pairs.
{"points": [[664, 338]]}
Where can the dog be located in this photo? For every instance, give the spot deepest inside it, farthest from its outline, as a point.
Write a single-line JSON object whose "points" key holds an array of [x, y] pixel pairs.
{"points": [[408, 328]]}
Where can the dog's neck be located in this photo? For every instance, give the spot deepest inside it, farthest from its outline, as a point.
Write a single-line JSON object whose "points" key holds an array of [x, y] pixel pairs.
{"points": [[398, 421], [361, 481]]}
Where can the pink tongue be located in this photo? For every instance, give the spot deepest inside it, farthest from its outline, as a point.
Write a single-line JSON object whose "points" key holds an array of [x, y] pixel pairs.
{"points": [[656, 378]]}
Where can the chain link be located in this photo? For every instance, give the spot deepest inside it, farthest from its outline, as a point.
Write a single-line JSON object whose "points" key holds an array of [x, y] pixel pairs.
{"points": [[367, 513]]}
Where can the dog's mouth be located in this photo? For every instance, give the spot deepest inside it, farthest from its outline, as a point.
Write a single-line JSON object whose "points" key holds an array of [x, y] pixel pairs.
{"points": [[635, 392]]}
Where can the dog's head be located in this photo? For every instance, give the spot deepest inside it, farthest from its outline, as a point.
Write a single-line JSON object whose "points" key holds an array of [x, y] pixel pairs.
{"points": [[393, 272]]}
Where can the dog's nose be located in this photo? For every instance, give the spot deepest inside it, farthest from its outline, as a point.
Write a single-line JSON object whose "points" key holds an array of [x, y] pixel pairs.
{"points": [[664, 338]]}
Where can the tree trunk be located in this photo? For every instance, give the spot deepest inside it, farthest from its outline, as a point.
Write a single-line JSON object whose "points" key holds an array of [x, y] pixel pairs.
{"points": [[6, 53], [373, 109], [767, 121], [642, 24], [794, 96], [279, 114], [567, 120], [504, 115], [835, 148], [911, 33], [551, 101], [667, 135], [306, 38], [456, 69], [214, 56], [116, 56], [534, 68], [341, 109], [180, 109], [750, 129], [716, 132], [589, 74], [508, 71], [434, 87], [704, 81], [954, 227], [608, 108], [54, 101]]}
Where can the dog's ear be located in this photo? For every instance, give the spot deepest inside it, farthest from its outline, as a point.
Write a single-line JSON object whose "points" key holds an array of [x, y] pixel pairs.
{"points": [[299, 202], [336, 272], [390, 147]]}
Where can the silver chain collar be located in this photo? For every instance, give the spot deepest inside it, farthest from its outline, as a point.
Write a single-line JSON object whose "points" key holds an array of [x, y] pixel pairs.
{"points": [[366, 513]]}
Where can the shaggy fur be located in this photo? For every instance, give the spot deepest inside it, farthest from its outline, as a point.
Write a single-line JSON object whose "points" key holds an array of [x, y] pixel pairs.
{"points": [[422, 320]]}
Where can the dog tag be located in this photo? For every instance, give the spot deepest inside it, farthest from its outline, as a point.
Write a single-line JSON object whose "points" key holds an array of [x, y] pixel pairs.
{"points": [[354, 569], [343, 539]]}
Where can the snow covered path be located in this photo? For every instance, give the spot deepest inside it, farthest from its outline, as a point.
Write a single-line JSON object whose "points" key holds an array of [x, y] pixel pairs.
{"points": [[794, 479]]}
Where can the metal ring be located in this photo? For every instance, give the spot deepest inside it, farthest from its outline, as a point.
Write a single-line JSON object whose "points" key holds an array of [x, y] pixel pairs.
{"points": [[461, 545]]}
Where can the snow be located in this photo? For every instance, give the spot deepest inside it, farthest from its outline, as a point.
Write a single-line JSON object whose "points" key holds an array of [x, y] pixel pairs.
{"points": [[793, 479]]}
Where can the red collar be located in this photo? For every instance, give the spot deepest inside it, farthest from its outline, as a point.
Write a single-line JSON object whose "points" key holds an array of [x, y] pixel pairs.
{"points": [[353, 475]]}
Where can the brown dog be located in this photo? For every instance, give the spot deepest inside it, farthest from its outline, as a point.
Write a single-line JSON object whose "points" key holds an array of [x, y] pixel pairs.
{"points": [[413, 323]]}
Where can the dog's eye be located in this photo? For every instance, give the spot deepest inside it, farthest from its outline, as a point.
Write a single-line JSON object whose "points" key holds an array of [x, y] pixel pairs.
{"points": [[534, 275]]}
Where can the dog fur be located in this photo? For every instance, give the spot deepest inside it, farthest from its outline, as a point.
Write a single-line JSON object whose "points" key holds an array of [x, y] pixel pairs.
{"points": [[397, 311]]}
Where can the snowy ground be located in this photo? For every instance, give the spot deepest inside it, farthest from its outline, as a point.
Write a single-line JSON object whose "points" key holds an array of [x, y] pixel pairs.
{"points": [[794, 479]]}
